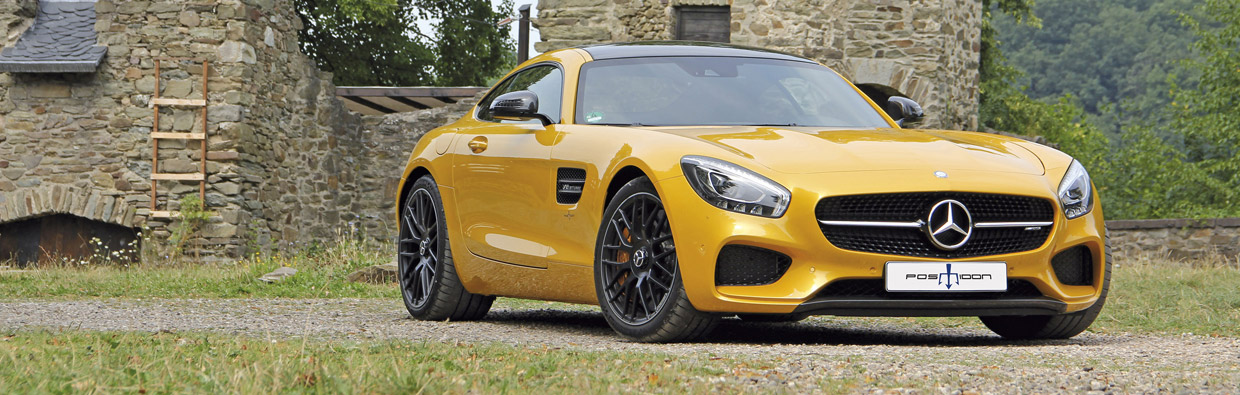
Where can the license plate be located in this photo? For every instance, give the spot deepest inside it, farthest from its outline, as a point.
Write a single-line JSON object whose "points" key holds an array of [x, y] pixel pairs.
{"points": [[946, 276]]}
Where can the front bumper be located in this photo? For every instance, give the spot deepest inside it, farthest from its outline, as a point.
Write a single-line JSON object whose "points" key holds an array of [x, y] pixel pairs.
{"points": [[702, 230]]}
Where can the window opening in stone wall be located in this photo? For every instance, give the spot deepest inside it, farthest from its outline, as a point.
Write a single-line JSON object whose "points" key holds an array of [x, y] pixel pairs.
{"points": [[704, 23], [62, 238], [879, 94]]}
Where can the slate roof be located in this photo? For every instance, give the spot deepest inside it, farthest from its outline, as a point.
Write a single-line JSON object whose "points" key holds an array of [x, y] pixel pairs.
{"points": [[61, 40]]}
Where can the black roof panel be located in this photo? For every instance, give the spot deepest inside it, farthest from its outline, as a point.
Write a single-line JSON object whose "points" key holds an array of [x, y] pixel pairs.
{"points": [[644, 49]]}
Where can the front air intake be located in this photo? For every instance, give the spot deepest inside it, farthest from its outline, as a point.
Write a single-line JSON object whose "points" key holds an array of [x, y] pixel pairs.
{"points": [[747, 265], [1074, 266]]}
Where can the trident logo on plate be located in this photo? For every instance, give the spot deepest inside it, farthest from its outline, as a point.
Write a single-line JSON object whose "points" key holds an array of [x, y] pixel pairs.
{"points": [[947, 276]]}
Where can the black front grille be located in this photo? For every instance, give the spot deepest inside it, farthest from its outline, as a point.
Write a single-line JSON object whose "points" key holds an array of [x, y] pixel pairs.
{"points": [[876, 288], [746, 265], [1074, 266], [912, 207]]}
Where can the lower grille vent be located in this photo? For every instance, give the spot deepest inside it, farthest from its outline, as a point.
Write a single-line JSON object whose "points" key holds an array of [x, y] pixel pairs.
{"points": [[877, 288], [746, 265], [1074, 266]]}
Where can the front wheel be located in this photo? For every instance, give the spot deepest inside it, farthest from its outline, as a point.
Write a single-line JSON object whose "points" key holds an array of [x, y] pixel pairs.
{"points": [[429, 285], [1063, 326], [636, 273]]}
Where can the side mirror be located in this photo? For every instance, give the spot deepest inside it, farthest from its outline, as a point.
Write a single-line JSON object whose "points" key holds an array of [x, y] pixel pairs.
{"points": [[904, 110], [518, 106]]}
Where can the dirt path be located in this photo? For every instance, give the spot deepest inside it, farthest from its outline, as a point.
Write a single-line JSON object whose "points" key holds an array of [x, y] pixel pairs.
{"points": [[794, 356]]}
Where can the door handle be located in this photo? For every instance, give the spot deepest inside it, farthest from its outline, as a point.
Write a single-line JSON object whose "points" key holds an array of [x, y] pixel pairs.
{"points": [[478, 144]]}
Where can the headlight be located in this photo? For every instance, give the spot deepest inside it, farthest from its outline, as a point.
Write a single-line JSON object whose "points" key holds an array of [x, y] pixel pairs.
{"points": [[734, 188], [1075, 193]]}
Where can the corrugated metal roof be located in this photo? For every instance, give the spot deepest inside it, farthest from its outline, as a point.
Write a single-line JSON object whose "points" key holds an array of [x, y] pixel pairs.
{"points": [[61, 40], [376, 100]]}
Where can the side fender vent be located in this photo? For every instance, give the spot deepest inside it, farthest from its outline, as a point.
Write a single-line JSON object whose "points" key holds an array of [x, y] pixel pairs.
{"points": [[568, 185]]}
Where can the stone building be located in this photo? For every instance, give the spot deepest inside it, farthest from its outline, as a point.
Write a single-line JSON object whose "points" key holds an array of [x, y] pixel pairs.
{"points": [[927, 50], [286, 163]]}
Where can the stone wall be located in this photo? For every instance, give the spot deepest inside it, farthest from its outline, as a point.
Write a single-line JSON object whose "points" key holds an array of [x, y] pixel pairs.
{"points": [[925, 49], [1176, 238], [287, 164]]}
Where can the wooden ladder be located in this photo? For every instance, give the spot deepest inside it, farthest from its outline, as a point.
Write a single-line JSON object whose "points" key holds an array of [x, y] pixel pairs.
{"points": [[156, 136]]}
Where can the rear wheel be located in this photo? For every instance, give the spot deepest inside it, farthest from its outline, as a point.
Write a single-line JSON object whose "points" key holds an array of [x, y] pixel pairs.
{"points": [[428, 281], [636, 272], [1063, 326]]}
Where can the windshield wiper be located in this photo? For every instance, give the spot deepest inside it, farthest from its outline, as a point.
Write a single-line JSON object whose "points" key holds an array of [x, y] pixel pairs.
{"points": [[777, 124]]}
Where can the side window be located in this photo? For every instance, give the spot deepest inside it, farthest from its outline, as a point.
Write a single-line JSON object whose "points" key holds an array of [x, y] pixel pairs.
{"points": [[545, 81]]}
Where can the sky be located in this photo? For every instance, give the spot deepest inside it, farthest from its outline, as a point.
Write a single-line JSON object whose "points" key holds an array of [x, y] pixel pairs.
{"points": [[534, 37]]}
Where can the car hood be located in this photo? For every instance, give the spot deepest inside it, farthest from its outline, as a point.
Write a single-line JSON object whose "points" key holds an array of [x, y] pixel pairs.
{"points": [[800, 150]]}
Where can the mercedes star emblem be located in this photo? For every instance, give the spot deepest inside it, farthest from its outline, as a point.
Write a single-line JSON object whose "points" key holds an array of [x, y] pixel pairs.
{"points": [[949, 225]]}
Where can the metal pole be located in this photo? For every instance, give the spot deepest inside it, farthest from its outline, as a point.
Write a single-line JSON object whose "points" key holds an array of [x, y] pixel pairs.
{"points": [[523, 34]]}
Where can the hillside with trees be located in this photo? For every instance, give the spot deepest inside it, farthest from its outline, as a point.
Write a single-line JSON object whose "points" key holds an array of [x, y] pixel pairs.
{"points": [[1140, 91]]}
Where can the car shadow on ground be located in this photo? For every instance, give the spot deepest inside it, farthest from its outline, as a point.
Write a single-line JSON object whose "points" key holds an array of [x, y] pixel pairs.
{"points": [[812, 332]]}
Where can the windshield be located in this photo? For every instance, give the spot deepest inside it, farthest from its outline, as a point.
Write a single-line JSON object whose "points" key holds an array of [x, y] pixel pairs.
{"points": [[690, 91]]}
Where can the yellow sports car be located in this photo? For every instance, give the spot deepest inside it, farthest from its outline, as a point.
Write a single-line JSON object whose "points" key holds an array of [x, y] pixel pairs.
{"points": [[675, 184]]}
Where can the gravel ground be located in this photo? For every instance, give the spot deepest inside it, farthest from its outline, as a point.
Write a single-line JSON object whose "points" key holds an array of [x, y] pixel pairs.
{"points": [[880, 355]]}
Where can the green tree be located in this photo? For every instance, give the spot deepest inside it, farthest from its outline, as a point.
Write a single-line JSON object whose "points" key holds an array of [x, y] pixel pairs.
{"points": [[1205, 116], [1115, 56], [1003, 106], [378, 42]]}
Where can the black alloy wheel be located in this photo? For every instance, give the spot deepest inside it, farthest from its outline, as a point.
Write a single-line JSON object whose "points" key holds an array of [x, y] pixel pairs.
{"points": [[639, 260], [419, 243], [429, 284], [636, 271]]}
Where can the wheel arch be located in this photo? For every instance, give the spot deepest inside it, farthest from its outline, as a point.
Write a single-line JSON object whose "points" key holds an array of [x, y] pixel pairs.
{"points": [[621, 177], [413, 176]]}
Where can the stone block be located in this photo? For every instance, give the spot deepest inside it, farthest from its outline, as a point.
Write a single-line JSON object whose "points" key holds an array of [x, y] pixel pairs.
{"points": [[223, 155], [236, 52], [178, 88], [164, 6], [183, 120], [32, 161], [103, 180], [225, 113], [190, 18], [178, 166], [140, 113], [132, 7], [219, 230], [145, 84], [13, 174], [227, 188], [50, 90]]}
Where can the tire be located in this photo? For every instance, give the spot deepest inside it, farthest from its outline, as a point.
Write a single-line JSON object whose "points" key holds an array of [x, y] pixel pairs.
{"points": [[429, 285], [772, 318], [1063, 326], [636, 273]]}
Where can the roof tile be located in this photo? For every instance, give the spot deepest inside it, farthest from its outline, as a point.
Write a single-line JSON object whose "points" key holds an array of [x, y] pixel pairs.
{"points": [[61, 40]]}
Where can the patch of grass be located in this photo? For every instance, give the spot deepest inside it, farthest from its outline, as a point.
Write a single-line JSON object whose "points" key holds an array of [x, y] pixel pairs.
{"points": [[80, 361], [321, 273], [1173, 297], [1147, 295]]}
